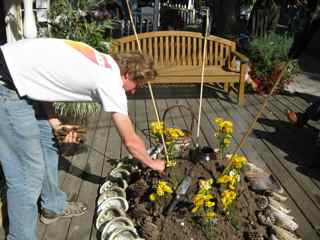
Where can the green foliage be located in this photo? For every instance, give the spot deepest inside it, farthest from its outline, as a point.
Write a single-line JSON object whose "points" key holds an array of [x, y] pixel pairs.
{"points": [[266, 54], [76, 112], [70, 22]]}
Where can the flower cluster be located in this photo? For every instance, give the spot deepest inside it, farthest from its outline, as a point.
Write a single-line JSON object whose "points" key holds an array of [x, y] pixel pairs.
{"points": [[227, 198], [161, 190], [238, 161], [230, 179], [203, 200], [223, 132], [170, 136]]}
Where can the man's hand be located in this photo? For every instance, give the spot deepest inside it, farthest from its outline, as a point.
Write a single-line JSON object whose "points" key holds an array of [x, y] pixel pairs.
{"points": [[158, 165], [68, 133]]}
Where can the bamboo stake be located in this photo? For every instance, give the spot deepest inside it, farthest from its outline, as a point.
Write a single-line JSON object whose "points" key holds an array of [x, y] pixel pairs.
{"points": [[264, 104], [202, 80], [149, 84]]}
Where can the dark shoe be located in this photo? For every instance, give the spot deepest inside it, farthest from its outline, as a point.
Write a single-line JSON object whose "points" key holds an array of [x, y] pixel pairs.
{"points": [[73, 209]]}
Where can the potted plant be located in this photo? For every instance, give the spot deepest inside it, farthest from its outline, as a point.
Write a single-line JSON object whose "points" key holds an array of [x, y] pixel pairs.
{"points": [[266, 55]]}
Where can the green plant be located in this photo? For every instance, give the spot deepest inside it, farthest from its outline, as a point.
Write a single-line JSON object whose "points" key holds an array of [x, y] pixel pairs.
{"points": [[76, 112], [71, 20], [266, 54]]}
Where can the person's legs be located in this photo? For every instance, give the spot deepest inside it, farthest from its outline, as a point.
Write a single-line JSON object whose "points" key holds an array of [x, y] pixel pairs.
{"points": [[22, 163], [53, 201], [313, 111], [52, 198]]}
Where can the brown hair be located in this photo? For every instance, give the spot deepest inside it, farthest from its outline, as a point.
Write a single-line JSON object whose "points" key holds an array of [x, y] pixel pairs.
{"points": [[141, 66]]}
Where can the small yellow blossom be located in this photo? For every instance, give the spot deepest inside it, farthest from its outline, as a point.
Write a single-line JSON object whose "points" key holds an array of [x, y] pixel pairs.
{"points": [[161, 190], [218, 121], [206, 184], [238, 161], [152, 197], [211, 215], [227, 198]]}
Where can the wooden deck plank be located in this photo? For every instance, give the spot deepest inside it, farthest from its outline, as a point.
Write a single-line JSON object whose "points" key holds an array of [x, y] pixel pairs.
{"points": [[81, 227]]}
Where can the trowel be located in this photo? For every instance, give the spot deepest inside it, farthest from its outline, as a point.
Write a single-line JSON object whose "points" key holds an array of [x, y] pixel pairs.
{"points": [[179, 193]]}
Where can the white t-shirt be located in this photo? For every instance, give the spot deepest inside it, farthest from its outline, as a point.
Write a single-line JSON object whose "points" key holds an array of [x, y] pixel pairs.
{"points": [[48, 69]]}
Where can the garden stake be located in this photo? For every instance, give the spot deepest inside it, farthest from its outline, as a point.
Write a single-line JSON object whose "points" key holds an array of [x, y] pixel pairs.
{"points": [[149, 84], [264, 104], [202, 80]]}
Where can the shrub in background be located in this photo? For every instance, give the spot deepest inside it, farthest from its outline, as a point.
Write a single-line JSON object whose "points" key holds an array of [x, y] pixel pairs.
{"points": [[266, 54]]}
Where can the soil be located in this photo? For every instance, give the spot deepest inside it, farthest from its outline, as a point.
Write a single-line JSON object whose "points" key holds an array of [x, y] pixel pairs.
{"points": [[153, 224]]}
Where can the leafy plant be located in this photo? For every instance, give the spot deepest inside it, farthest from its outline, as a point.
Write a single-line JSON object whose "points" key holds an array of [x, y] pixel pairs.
{"points": [[76, 112], [71, 20], [266, 54]]}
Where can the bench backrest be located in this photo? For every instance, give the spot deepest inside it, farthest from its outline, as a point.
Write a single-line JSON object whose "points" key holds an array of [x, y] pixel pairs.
{"points": [[178, 48]]}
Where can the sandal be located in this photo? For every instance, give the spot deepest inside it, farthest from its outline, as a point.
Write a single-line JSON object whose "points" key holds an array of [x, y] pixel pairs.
{"points": [[73, 209]]}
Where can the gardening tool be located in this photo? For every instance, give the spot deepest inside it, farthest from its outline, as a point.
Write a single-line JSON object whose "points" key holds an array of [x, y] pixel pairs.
{"points": [[62, 132], [179, 193]]}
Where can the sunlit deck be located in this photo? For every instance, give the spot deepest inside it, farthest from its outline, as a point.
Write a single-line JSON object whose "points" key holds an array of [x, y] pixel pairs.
{"points": [[286, 151]]}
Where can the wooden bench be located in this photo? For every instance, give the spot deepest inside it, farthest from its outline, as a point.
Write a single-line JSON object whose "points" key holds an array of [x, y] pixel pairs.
{"points": [[178, 57]]}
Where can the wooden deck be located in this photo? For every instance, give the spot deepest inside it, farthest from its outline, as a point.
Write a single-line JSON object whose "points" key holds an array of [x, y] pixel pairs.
{"points": [[286, 151]]}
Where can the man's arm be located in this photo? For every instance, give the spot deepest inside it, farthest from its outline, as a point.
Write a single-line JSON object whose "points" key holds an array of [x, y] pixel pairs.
{"points": [[134, 143]]}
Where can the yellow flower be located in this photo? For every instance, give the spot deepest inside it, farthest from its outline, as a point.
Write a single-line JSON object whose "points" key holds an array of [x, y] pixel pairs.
{"points": [[218, 121], [209, 204], [206, 184], [174, 133], [210, 215], [224, 179], [227, 127], [227, 197], [171, 163], [195, 209], [226, 141], [157, 128], [238, 161], [152, 197], [199, 199], [163, 188]]}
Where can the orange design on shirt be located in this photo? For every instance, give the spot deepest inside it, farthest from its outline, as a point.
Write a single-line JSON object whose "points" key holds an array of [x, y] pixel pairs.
{"points": [[87, 51]]}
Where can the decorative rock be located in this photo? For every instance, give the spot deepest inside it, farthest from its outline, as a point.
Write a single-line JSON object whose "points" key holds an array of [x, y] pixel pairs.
{"points": [[107, 215], [120, 173], [114, 224], [111, 192], [117, 202], [124, 233], [113, 183]]}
